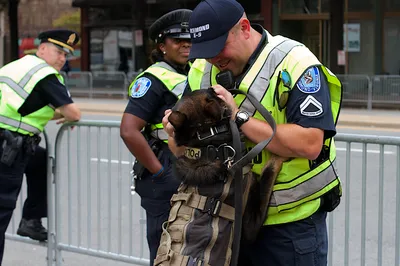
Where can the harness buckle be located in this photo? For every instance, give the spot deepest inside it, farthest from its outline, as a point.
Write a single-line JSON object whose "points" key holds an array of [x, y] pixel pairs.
{"points": [[204, 136], [228, 149], [212, 206]]}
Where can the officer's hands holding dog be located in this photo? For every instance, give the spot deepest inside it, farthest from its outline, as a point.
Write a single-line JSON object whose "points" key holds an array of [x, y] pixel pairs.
{"points": [[227, 97], [221, 92], [168, 127]]}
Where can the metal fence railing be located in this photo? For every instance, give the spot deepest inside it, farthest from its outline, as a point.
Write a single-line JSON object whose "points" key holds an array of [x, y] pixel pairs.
{"points": [[364, 229], [358, 90], [92, 211], [95, 212]]}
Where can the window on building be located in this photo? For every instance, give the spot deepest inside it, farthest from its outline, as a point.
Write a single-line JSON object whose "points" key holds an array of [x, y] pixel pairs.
{"points": [[111, 50]]}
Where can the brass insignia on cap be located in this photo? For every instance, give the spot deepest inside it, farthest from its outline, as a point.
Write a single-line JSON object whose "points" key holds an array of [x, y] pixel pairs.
{"points": [[71, 39]]}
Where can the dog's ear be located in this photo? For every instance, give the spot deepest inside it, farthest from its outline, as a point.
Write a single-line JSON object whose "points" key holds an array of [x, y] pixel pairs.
{"points": [[177, 119], [211, 93]]}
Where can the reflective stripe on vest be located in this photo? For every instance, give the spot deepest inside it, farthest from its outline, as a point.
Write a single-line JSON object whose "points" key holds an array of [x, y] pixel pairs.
{"points": [[18, 88], [178, 88], [206, 80], [274, 58], [173, 81], [16, 123], [159, 133], [297, 193], [159, 70]]}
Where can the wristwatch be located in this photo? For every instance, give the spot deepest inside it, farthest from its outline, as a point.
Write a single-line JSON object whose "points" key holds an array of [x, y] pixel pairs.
{"points": [[241, 118]]}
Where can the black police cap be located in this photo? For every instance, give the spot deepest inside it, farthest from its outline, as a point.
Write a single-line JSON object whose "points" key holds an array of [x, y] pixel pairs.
{"points": [[65, 39], [174, 24]]}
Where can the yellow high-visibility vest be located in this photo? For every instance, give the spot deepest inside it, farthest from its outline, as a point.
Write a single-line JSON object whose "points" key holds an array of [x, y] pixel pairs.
{"points": [[174, 82], [298, 188], [17, 80]]}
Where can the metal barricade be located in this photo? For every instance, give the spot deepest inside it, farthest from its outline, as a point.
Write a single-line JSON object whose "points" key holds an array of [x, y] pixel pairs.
{"points": [[95, 213], [92, 211], [364, 229], [386, 89], [110, 83], [356, 90], [80, 84]]}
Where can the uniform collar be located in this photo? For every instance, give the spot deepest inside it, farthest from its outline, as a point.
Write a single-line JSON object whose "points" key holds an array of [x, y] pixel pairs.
{"points": [[179, 69], [257, 51]]}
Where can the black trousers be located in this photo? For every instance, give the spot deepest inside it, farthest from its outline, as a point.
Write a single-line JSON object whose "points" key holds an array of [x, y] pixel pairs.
{"points": [[35, 205], [10, 186], [155, 196]]}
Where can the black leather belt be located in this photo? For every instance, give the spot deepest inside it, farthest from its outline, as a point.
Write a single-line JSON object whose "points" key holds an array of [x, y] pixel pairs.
{"points": [[34, 138]]}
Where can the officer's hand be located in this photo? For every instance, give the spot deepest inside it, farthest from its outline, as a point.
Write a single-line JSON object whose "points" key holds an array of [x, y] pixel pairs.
{"points": [[168, 127], [62, 121], [227, 97]]}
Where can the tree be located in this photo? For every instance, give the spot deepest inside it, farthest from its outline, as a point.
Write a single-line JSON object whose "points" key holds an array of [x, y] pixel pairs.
{"points": [[71, 21]]}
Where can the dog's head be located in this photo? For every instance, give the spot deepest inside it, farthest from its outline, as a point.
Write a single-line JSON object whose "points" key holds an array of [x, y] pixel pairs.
{"points": [[201, 119], [194, 115]]}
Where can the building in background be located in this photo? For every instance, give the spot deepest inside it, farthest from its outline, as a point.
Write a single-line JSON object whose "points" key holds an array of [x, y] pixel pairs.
{"points": [[373, 28], [114, 32], [35, 16]]}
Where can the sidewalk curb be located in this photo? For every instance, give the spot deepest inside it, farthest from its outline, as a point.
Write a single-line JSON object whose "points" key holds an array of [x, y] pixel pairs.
{"points": [[368, 124], [116, 110]]}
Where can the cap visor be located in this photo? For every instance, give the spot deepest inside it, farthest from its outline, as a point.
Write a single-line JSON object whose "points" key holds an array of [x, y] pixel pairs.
{"points": [[208, 49], [179, 35], [66, 50]]}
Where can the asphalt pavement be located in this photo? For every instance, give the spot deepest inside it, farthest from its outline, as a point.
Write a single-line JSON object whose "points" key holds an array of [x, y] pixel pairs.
{"points": [[98, 212]]}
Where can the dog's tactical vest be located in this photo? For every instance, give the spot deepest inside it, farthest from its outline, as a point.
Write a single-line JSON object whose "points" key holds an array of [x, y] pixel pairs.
{"points": [[200, 227]]}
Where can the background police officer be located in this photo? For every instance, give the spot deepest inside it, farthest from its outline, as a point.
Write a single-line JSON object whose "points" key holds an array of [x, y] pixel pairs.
{"points": [[32, 93], [151, 93], [304, 98]]}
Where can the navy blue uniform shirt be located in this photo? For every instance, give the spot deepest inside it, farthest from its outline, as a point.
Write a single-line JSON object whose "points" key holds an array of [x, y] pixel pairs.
{"points": [[47, 91], [150, 98]]}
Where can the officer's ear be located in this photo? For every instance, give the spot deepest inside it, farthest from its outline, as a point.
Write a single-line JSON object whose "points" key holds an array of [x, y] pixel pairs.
{"points": [[177, 119], [161, 46]]}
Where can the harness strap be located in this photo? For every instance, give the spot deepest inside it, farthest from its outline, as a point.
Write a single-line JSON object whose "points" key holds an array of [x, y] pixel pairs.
{"points": [[210, 205], [260, 146], [237, 168]]}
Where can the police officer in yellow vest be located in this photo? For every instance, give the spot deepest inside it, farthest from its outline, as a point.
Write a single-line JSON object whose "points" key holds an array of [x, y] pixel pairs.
{"points": [[32, 93], [304, 98], [151, 93]]}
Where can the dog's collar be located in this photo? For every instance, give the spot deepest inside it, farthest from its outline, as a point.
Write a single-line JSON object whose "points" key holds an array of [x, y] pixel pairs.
{"points": [[212, 131], [223, 152]]}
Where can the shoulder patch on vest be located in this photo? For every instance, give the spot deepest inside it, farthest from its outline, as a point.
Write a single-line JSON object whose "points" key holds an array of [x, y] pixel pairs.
{"points": [[310, 82], [140, 87]]}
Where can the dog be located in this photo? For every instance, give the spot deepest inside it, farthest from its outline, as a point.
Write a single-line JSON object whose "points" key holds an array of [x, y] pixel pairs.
{"points": [[196, 119]]}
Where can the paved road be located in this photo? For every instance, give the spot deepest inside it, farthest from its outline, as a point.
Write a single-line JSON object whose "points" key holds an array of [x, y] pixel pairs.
{"points": [[97, 208]]}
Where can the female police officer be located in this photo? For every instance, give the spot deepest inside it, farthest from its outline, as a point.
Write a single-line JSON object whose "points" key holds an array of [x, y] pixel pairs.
{"points": [[151, 93]]}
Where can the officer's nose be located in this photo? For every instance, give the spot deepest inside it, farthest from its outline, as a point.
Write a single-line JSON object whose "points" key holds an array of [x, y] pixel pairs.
{"points": [[186, 43]]}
